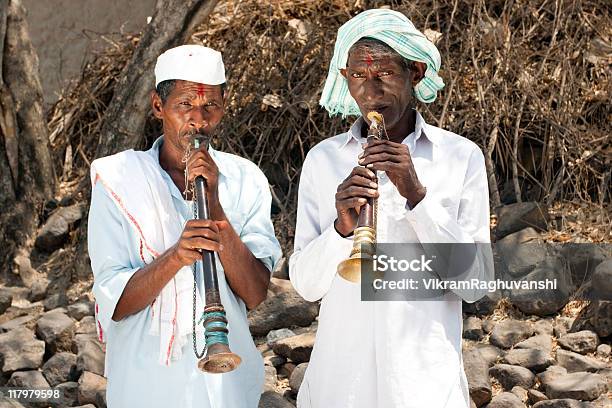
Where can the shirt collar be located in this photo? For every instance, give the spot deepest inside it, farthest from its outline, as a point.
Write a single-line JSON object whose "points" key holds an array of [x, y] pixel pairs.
{"points": [[420, 128], [154, 151]]}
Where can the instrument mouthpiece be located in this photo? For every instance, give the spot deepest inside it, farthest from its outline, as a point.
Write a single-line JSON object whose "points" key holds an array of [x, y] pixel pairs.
{"points": [[374, 116]]}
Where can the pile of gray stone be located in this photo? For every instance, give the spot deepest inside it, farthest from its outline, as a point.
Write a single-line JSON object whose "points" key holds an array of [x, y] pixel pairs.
{"points": [[56, 348], [535, 356]]}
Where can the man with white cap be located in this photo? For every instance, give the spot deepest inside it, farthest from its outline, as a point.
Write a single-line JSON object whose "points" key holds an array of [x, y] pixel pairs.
{"points": [[143, 242], [431, 188]]}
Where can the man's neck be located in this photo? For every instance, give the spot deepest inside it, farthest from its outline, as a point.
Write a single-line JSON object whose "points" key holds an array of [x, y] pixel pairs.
{"points": [[170, 159]]}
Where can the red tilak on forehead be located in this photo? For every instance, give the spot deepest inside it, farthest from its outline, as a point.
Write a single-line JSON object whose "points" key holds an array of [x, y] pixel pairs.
{"points": [[201, 90], [369, 60]]}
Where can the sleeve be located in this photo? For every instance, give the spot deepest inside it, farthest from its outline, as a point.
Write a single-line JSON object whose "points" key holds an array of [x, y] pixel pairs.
{"points": [[317, 252], [258, 231], [110, 257], [470, 256]]}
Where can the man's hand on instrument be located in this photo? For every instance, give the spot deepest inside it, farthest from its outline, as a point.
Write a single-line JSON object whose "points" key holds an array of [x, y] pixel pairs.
{"points": [[200, 163], [394, 159], [198, 235], [351, 195]]}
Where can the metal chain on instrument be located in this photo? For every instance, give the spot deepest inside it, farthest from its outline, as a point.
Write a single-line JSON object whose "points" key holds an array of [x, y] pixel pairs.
{"points": [[194, 324]]}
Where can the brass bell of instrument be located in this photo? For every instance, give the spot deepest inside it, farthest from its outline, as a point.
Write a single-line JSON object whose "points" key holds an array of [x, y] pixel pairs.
{"points": [[364, 236], [219, 359]]}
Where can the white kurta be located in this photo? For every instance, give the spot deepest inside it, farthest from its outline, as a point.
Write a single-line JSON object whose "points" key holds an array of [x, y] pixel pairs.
{"points": [[135, 376], [396, 353]]}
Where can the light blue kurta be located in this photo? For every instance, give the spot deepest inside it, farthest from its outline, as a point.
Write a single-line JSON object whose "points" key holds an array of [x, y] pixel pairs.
{"points": [[135, 376]]}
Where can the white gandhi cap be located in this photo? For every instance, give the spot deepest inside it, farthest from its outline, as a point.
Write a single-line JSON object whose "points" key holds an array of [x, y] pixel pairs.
{"points": [[194, 63]]}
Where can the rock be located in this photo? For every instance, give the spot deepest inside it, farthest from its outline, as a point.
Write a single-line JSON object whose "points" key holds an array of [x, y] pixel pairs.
{"points": [[278, 286], [54, 232], [90, 357], [582, 386], [543, 326], [490, 353], [60, 368], [541, 342], [534, 396], [521, 252], [551, 373], [38, 290], [562, 403], [27, 379], [297, 376], [509, 332], [55, 301], [484, 305], [604, 350], [506, 400], [80, 309], [87, 325], [510, 376], [19, 350], [57, 330], [279, 334], [27, 321], [274, 360], [602, 280], [82, 338], [89, 385], [581, 342], [270, 399], [296, 348], [5, 301], [281, 269], [9, 403], [514, 217], [563, 325], [488, 325], [574, 362], [549, 298], [101, 398], [68, 394], [477, 372], [520, 392], [283, 310], [597, 316], [472, 328], [286, 370], [534, 359], [269, 378], [583, 260], [604, 401]]}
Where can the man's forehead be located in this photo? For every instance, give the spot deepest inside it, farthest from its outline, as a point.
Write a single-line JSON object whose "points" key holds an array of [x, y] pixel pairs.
{"points": [[366, 56], [189, 86]]}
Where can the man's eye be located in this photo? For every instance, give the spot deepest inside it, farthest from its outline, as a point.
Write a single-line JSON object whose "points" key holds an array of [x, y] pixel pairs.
{"points": [[185, 104], [357, 75], [384, 73]]}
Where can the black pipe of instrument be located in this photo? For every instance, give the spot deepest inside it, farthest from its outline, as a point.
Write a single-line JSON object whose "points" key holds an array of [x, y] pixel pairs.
{"points": [[209, 267]]}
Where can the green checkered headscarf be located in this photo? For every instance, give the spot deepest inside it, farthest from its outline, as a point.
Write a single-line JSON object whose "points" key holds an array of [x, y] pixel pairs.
{"points": [[394, 29]]}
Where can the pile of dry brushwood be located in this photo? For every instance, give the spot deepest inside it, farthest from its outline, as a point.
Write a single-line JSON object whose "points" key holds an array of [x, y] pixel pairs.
{"points": [[528, 81]]}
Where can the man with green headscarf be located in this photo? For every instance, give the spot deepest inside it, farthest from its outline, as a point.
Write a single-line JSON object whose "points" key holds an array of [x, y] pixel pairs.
{"points": [[431, 188]]}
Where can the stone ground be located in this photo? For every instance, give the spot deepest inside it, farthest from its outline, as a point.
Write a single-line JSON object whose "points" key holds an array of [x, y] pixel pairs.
{"points": [[519, 349]]}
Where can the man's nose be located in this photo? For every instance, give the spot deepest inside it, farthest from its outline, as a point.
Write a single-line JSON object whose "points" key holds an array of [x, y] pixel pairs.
{"points": [[198, 118], [373, 89]]}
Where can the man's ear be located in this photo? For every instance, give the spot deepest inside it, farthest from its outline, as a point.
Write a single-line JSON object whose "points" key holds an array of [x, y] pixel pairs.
{"points": [[343, 73], [418, 69], [157, 105]]}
